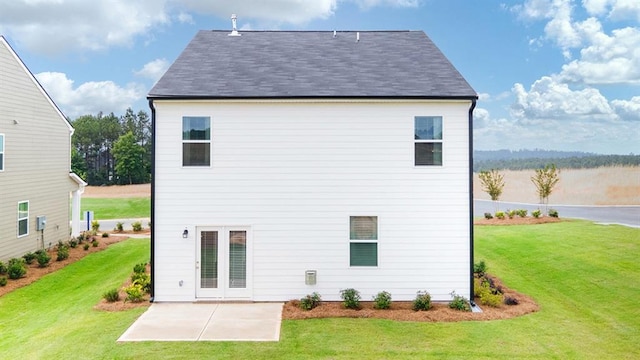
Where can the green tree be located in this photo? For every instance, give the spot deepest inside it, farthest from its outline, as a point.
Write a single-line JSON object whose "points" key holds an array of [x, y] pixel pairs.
{"points": [[545, 180], [78, 165], [128, 157], [492, 183]]}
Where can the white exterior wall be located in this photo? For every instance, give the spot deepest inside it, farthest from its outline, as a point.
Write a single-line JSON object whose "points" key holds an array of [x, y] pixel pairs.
{"points": [[295, 172]]}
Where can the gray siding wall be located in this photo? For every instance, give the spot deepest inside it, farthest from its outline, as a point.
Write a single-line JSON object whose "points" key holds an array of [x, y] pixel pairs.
{"points": [[37, 161]]}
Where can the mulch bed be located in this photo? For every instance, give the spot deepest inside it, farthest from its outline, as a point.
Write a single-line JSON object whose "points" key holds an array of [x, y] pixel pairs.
{"points": [[517, 220]]}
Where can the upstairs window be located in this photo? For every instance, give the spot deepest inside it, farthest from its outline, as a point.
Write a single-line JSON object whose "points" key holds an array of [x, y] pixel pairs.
{"points": [[23, 218], [196, 141], [1, 152], [363, 241], [428, 140]]}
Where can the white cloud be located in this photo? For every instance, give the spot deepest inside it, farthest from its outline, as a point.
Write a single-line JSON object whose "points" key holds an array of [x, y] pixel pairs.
{"points": [[628, 110], [614, 9], [90, 97], [154, 69], [53, 27]]}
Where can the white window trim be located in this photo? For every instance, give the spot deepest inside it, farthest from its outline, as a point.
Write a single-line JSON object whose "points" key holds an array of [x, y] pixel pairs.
{"points": [[428, 141], [4, 158], [210, 142], [23, 218], [365, 241]]}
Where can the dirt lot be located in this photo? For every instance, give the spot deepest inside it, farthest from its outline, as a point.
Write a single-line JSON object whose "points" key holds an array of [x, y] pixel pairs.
{"points": [[600, 186], [118, 191]]}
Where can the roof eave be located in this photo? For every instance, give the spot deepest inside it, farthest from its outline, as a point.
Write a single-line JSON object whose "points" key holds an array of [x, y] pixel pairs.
{"points": [[345, 97]]}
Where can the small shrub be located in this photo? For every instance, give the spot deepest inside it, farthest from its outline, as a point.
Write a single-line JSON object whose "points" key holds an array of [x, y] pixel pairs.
{"points": [[137, 226], [81, 238], [142, 279], [95, 243], [488, 295], [43, 258], [480, 268], [85, 247], [63, 253], [422, 301], [553, 213], [500, 215], [459, 302], [140, 268], [134, 292], [105, 235], [29, 257], [310, 301], [508, 300], [73, 243], [111, 295], [119, 227], [522, 212], [3, 281], [382, 300], [350, 298], [95, 225], [536, 213], [488, 216], [3, 268], [16, 268], [511, 213]]}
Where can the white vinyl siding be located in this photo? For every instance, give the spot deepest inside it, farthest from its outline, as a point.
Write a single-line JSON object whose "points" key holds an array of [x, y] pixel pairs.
{"points": [[23, 218], [295, 171]]}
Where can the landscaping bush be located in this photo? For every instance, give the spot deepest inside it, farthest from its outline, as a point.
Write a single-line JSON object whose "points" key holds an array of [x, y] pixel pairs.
{"points": [[111, 295], [85, 247], [105, 235], [488, 216], [500, 215], [73, 243], [536, 213], [63, 253], [95, 225], [137, 226], [3, 281], [29, 257], [140, 268], [350, 298], [488, 294], [553, 213], [382, 300], [459, 302], [511, 213], [43, 258], [135, 293], [422, 301], [480, 268], [310, 301], [119, 227], [95, 243], [522, 212], [16, 268], [508, 300], [3, 268], [142, 279]]}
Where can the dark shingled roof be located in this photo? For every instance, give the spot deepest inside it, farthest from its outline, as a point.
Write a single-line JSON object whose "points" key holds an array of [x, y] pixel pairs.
{"points": [[312, 64]]}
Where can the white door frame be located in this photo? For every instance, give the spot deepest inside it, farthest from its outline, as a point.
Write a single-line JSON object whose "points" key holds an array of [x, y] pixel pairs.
{"points": [[224, 289]]}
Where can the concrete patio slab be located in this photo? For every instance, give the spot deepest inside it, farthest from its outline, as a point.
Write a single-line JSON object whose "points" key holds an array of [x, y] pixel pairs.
{"points": [[207, 322]]}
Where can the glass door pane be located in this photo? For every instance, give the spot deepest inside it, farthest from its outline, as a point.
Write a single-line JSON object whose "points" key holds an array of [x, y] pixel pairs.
{"points": [[237, 259], [209, 259]]}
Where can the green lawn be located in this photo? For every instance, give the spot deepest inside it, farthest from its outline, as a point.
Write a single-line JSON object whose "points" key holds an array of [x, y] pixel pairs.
{"points": [[117, 208], [585, 277]]}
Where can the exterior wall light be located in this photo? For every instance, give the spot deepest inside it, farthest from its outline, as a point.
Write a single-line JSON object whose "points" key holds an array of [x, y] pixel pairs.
{"points": [[185, 234]]}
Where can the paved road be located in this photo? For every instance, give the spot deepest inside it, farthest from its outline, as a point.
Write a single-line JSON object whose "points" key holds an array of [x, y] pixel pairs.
{"points": [[622, 214]]}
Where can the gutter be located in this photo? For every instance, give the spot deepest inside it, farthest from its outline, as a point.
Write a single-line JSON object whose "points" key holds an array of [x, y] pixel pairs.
{"points": [[153, 195], [473, 106]]}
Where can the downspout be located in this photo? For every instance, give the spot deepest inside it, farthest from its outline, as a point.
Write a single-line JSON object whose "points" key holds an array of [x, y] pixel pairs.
{"points": [[473, 106], [153, 195]]}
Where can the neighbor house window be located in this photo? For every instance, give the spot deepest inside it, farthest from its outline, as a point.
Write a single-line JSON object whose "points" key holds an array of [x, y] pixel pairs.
{"points": [[196, 141], [23, 218], [1, 152], [363, 241], [428, 140]]}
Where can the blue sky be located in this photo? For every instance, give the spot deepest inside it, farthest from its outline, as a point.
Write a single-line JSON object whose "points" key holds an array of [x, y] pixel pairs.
{"points": [[551, 74]]}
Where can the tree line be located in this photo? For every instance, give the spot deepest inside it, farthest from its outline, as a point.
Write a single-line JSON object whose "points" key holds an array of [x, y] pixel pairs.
{"points": [[112, 150], [573, 162]]}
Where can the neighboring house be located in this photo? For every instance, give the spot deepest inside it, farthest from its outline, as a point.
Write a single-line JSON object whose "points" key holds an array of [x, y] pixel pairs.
{"points": [[35, 163], [292, 162]]}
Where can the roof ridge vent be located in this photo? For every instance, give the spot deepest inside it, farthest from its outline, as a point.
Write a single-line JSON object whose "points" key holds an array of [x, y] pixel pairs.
{"points": [[234, 23]]}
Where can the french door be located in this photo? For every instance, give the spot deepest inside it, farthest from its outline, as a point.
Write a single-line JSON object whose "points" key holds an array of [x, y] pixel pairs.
{"points": [[222, 270]]}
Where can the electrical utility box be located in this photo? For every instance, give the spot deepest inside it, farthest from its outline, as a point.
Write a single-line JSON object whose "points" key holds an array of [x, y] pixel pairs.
{"points": [[41, 222]]}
